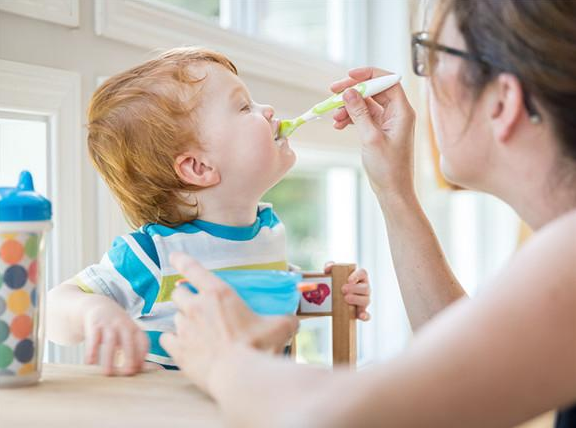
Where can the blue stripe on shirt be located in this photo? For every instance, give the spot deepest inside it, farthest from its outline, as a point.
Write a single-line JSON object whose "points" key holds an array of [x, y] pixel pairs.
{"points": [[266, 217], [155, 347], [153, 229], [129, 265], [147, 244]]}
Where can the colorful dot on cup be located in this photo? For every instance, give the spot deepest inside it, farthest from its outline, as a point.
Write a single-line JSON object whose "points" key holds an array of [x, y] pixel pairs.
{"points": [[33, 272], [15, 276], [6, 356], [4, 331], [2, 305], [24, 351], [26, 369], [33, 297], [21, 326], [31, 246], [11, 251], [18, 302]]}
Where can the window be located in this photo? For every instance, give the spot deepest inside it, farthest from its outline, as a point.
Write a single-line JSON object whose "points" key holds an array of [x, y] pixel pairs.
{"points": [[23, 146], [40, 131], [319, 209], [483, 235], [207, 8], [313, 204], [301, 24], [313, 26]]}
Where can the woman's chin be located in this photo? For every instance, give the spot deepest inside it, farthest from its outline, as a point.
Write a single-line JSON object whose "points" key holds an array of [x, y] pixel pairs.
{"points": [[450, 174]]}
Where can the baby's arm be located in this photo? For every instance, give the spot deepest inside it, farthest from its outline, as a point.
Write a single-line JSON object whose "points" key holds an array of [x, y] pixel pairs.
{"points": [[74, 316]]}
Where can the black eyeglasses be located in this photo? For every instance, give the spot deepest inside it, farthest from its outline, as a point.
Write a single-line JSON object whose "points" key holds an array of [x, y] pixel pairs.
{"points": [[422, 46]]}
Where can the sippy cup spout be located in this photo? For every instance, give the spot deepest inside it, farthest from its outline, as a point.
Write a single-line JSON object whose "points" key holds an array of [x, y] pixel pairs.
{"points": [[25, 182]]}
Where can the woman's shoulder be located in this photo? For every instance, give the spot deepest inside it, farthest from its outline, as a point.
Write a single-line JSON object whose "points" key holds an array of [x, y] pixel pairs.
{"points": [[559, 232], [551, 252]]}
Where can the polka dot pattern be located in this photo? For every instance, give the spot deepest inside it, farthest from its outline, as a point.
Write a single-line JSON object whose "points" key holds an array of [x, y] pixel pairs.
{"points": [[24, 351], [4, 331], [15, 276], [33, 272], [19, 302], [11, 251], [31, 247], [20, 279], [6, 356], [21, 326]]}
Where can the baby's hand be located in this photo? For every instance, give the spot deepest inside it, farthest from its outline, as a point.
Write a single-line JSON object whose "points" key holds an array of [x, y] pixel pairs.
{"points": [[109, 329], [356, 291]]}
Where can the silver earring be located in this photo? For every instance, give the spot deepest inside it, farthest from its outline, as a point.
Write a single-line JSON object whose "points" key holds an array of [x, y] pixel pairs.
{"points": [[535, 119]]}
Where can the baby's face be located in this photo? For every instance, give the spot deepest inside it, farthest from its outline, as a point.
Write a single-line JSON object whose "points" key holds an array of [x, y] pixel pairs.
{"points": [[239, 135]]}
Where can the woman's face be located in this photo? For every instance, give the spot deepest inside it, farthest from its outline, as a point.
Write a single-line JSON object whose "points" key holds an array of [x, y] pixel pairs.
{"points": [[462, 135]]}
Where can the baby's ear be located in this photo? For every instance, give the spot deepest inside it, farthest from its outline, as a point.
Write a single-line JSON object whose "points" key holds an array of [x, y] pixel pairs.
{"points": [[193, 168]]}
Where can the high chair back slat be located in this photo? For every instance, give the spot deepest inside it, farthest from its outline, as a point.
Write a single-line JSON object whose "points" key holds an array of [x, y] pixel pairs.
{"points": [[328, 300]]}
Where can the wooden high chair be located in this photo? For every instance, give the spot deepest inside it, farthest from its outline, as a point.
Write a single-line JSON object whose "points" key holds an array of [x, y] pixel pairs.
{"points": [[328, 301]]}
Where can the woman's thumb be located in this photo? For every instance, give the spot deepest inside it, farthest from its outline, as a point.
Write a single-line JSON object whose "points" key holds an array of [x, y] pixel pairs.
{"points": [[359, 113]]}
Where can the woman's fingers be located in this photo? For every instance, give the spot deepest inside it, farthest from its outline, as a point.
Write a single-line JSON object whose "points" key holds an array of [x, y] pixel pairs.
{"points": [[196, 274], [343, 84], [273, 334], [339, 125], [340, 114], [360, 115], [357, 75], [185, 301], [365, 73], [169, 342]]}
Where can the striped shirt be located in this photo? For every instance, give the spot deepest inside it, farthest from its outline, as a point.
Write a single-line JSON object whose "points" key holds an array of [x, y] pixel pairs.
{"points": [[136, 272]]}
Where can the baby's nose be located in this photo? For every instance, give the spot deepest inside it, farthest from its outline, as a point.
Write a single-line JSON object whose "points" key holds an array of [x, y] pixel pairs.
{"points": [[268, 112]]}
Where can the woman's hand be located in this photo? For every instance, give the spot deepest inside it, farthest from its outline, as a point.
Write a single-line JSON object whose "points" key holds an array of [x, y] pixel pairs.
{"points": [[214, 322], [385, 123], [108, 330], [356, 291]]}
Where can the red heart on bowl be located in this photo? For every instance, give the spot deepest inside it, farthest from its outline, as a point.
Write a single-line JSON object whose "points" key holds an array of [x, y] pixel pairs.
{"points": [[317, 296]]}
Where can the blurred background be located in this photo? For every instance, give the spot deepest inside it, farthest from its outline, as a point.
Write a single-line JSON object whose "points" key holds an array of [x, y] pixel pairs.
{"points": [[54, 53]]}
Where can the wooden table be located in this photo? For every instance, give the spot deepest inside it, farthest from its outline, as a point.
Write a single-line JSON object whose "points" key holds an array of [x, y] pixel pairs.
{"points": [[79, 396]]}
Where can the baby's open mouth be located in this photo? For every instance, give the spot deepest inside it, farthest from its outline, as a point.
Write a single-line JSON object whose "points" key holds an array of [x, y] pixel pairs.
{"points": [[275, 128], [280, 141]]}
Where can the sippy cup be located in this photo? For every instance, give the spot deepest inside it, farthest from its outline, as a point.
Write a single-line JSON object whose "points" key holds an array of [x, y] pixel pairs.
{"points": [[24, 220]]}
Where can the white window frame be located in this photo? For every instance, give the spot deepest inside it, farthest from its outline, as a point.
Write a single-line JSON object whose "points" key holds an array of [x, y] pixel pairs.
{"points": [[154, 26], [55, 94], [63, 12]]}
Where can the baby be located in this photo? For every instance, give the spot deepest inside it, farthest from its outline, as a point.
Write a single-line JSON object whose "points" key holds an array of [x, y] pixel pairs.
{"points": [[188, 155]]}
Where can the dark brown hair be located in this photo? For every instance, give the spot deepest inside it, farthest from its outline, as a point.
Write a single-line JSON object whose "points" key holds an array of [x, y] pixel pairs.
{"points": [[533, 39]]}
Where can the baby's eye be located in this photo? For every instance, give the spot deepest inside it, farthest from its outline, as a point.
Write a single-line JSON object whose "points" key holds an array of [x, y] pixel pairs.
{"points": [[246, 107]]}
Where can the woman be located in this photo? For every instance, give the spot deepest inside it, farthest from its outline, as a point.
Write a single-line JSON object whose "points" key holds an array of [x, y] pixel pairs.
{"points": [[502, 80]]}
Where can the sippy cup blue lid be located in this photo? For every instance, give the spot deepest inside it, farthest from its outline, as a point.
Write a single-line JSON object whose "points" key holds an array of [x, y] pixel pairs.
{"points": [[22, 203]]}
